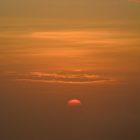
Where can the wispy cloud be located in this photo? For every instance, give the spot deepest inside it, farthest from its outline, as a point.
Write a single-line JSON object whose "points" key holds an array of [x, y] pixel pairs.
{"points": [[76, 37], [73, 77], [68, 82], [98, 37]]}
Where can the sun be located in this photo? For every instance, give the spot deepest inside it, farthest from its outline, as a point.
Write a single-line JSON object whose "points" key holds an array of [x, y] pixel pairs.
{"points": [[74, 102]]}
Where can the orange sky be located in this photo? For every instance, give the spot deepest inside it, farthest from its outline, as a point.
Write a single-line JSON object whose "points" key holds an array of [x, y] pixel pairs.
{"points": [[55, 51]]}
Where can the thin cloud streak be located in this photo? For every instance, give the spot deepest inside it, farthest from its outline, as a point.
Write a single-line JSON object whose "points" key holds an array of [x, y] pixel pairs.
{"points": [[55, 75], [87, 37], [62, 78], [98, 37], [69, 82]]}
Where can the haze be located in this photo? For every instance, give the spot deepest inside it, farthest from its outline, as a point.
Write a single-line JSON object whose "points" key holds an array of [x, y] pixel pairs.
{"points": [[55, 51]]}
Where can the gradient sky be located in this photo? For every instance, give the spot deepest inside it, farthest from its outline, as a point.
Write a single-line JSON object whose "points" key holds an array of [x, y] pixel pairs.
{"points": [[52, 51], [65, 9]]}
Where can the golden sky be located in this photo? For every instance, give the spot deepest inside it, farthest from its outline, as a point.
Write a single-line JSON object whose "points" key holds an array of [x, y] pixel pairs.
{"points": [[55, 51]]}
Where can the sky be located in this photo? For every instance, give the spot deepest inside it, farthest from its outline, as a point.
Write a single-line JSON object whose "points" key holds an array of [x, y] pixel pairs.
{"points": [[65, 9], [54, 51]]}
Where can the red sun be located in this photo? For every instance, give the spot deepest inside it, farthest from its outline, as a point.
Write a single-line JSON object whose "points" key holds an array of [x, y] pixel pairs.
{"points": [[74, 102]]}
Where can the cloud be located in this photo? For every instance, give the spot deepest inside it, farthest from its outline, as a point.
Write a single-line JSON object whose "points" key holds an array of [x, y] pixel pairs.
{"points": [[108, 37], [72, 77], [84, 37], [68, 82], [76, 37]]}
